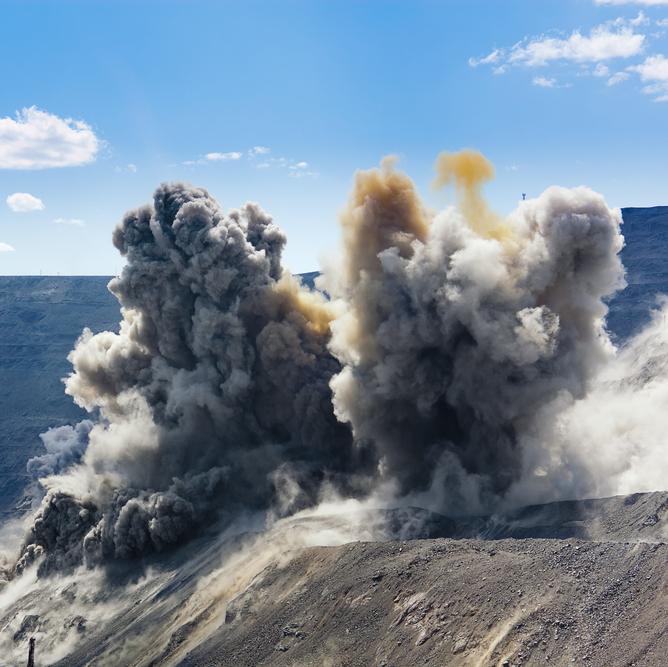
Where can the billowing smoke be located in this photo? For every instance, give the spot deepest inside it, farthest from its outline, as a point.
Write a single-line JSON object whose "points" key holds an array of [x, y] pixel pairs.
{"points": [[452, 364], [212, 398], [458, 327], [65, 445]]}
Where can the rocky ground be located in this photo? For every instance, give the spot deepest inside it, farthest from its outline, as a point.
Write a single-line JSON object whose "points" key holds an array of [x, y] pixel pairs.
{"points": [[453, 602], [582, 582], [531, 601]]}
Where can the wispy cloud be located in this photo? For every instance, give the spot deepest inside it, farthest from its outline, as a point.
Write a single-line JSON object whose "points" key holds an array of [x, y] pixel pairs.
{"points": [[490, 59], [222, 157], [72, 222], [615, 39], [129, 168], [612, 79], [603, 43], [544, 82], [36, 139], [5, 247], [24, 202], [229, 156], [295, 168], [301, 170], [592, 53], [548, 82], [640, 19], [261, 158], [617, 77], [654, 71]]}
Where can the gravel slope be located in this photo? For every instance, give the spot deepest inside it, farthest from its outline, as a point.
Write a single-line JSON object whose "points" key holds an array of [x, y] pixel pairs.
{"points": [[541, 597], [453, 602]]}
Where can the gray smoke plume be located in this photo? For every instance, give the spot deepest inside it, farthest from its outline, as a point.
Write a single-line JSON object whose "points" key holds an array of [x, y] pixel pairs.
{"points": [[65, 445], [456, 351], [214, 391], [457, 328]]}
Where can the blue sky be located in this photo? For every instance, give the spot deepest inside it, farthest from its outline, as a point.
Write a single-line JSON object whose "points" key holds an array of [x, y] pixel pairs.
{"points": [[127, 94]]}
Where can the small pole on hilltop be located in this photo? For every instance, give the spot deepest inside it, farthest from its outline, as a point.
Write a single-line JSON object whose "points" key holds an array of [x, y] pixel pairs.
{"points": [[524, 196], [31, 653]]}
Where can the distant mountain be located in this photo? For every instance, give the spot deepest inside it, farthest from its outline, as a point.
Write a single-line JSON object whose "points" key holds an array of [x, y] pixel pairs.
{"points": [[645, 257], [41, 317]]}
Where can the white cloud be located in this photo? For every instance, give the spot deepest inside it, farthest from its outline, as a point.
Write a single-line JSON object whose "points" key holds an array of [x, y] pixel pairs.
{"points": [[301, 170], [5, 247], [654, 70], [639, 20], [546, 82], [590, 53], [602, 43], [230, 156], [259, 150], [617, 77], [662, 23], [490, 59], [296, 169], [222, 157], [130, 168], [303, 174], [24, 202], [72, 222], [543, 82], [36, 139]]}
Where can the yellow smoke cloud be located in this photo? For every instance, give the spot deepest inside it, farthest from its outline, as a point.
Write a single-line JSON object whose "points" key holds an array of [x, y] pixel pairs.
{"points": [[384, 211], [469, 170], [288, 295]]}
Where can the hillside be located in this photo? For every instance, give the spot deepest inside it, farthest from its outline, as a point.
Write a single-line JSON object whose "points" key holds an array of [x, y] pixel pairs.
{"points": [[645, 259], [359, 598], [40, 318], [447, 602]]}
